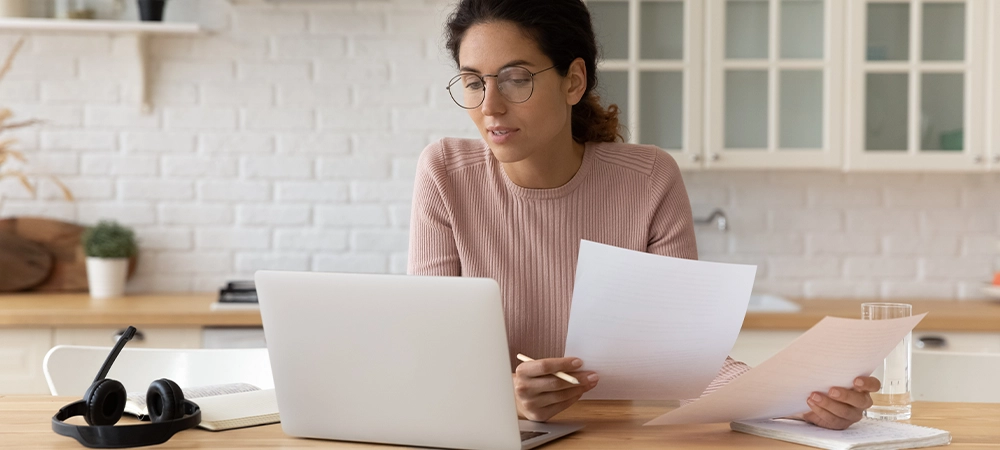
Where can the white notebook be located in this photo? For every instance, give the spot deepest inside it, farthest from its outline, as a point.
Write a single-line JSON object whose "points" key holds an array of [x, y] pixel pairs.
{"points": [[867, 434], [245, 409], [223, 406]]}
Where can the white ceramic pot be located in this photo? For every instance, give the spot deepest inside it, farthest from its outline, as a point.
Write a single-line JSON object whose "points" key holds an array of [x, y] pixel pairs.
{"points": [[15, 8], [106, 276]]}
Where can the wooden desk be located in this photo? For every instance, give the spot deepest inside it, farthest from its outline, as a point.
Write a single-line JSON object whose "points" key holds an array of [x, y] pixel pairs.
{"points": [[25, 423]]}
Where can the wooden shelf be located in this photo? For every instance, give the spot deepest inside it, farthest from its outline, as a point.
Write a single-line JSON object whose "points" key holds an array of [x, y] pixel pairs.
{"points": [[98, 26], [134, 31]]}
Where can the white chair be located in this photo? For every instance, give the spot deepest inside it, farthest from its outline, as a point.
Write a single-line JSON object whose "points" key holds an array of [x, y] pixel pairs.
{"points": [[70, 369], [940, 376]]}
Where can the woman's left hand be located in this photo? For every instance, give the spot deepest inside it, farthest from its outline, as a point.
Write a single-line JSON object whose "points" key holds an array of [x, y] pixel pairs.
{"points": [[840, 407]]}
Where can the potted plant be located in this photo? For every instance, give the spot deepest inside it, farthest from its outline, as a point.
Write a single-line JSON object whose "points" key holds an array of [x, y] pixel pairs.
{"points": [[108, 247]]}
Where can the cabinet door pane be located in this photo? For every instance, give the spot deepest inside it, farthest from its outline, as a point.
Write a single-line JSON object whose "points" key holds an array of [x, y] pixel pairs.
{"points": [[611, 27], [613, 89], [886, 106], [944, 32], [801, 112], [747, 29], [942, 111], [662, 109], [802, 29], [662, 30], [746, 108], [888, 31]]}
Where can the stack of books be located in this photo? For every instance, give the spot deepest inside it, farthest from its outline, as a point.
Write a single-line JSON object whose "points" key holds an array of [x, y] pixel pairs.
{"points": [[237, 295]]}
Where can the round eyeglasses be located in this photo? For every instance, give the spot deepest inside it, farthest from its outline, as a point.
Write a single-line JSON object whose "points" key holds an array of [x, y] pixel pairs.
{"points": [[515, 83]]}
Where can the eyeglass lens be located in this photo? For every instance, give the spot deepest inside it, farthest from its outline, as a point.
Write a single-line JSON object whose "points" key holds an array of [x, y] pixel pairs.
{"points": [[469, 89]]}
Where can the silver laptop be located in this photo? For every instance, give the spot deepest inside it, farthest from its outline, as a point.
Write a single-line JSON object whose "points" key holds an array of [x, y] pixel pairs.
{"points": [[393, 359]]}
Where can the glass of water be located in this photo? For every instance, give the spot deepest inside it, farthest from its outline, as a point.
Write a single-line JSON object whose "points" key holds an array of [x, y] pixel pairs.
{"points": [[892, 402]]}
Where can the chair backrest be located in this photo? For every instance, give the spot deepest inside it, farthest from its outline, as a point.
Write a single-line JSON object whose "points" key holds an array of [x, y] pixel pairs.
{"points": [[70, 369], [955, 377]]}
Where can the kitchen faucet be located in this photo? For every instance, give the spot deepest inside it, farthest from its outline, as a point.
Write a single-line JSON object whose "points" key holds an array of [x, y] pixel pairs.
{"points": [[718, 216]]}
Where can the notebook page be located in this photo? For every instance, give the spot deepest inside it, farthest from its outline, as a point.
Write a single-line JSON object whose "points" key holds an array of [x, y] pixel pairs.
{"points": [[831, 353], [236, 406], [654, 327], [135, 403]]}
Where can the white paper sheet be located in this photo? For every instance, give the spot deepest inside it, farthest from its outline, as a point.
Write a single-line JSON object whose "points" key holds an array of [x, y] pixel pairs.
{"points": [[651, 326], [831, 353]]}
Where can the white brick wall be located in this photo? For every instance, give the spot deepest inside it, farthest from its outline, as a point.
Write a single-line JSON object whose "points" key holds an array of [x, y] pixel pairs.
{"points": [[892, 236], [287, 138]]}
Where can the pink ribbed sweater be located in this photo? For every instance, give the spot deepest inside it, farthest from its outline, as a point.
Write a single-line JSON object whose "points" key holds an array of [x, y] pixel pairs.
{"points": [[469, 219]]}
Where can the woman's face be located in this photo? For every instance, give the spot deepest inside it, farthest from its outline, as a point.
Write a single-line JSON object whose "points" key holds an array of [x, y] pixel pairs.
{"points": [[517, 131]]}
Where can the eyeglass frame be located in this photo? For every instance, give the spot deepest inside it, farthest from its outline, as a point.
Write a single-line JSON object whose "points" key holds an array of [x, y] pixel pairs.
{"points": [[483, 78]]}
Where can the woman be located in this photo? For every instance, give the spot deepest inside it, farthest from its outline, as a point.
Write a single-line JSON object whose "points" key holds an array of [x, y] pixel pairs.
{"points": [[547, 173]]}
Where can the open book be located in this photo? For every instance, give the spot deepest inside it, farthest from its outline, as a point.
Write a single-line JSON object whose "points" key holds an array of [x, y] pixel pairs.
{"points": [[223, 406], [867, 434]]}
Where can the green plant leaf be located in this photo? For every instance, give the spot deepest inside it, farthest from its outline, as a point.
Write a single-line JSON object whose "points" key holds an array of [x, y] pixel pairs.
{"points": [[108, 239]]}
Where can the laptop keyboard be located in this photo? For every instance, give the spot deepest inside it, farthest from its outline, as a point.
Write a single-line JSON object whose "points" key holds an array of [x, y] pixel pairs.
{"points": [[525, 435]]}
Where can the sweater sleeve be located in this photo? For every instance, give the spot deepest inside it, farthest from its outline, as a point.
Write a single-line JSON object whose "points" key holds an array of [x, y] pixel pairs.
{"points": [[433, 250], [671, 228], [731, 369]]}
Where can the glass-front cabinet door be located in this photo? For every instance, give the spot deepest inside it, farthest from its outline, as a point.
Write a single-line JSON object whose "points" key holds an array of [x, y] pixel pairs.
{"points": [[993, 87], [651, 68], [917, 85], [774, 84]]}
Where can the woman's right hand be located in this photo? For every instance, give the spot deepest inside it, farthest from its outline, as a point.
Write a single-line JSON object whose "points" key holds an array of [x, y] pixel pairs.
{"points": [[541, 395]]}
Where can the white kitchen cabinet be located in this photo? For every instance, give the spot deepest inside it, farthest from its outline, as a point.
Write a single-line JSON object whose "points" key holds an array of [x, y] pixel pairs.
{"points": [[854, 85], [993, 90], [953, 341], [233, 337], [651, 67], [774, 91], [917, 85], [21, 353], [22, 350], [755, 346], [145, 337]]}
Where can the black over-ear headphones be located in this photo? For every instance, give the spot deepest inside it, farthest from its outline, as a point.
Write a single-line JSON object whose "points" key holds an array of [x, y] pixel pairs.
{"points": [[104, 403]]}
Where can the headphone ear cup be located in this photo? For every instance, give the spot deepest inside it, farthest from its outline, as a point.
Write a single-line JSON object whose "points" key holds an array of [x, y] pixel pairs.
{"points": [[164, 400], [105, 402]]}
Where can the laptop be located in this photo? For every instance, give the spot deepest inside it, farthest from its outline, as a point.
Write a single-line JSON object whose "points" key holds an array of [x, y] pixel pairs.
{"points": [[394, 359]]}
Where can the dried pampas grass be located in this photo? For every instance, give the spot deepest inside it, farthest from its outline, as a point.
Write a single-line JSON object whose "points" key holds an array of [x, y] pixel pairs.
{"points": [[7, 153]]}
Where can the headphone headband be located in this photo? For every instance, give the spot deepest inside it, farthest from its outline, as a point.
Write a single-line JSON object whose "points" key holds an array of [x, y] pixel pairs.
{"points": [[104, 402], [110, 436]]}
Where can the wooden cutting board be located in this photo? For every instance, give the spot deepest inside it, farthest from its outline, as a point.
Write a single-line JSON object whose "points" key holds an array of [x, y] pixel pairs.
{"points": [[62, 240], [23, 263]]}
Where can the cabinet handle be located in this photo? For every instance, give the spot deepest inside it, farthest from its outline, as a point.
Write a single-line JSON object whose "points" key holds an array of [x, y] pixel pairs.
{"points": [[996, 159], [696, 158], [932, 342], [980, 159], [715, 156], [138, 336]]}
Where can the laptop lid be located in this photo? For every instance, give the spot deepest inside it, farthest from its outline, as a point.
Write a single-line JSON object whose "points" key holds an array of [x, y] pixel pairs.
{"points": [[389, 359]]}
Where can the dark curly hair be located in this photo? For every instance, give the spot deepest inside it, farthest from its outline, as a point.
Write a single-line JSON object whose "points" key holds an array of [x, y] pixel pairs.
{"points": [[564, 32]]}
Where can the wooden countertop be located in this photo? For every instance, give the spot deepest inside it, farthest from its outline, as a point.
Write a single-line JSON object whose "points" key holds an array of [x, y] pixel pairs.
{"points": [[195, 310], [27, 310], [25, 423], [943, 315]]}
